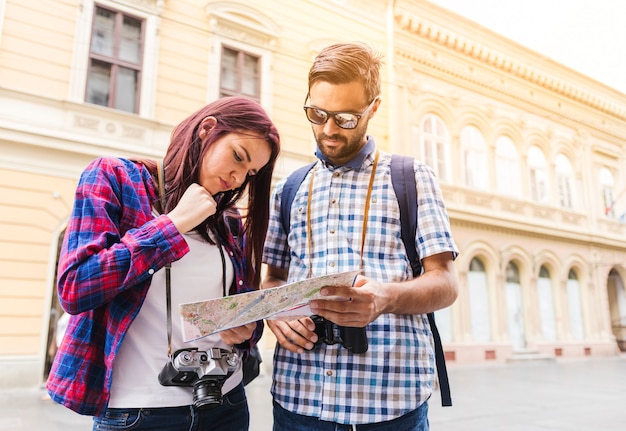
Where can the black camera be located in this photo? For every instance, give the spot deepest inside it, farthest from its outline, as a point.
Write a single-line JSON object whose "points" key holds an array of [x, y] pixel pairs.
{"points": [[205, 371], [353, 339]]}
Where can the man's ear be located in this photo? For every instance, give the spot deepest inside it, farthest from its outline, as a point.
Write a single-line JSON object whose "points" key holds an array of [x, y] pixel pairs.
{"points": [[206, 126], [376, 105]]}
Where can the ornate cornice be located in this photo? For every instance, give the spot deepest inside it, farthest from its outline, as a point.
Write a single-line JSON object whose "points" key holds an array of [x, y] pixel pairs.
{"points": [[242, 22], [447, 39]]}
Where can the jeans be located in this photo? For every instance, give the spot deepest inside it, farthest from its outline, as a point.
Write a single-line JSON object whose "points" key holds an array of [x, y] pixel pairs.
{"points": [[232, 415], [284, 420]]}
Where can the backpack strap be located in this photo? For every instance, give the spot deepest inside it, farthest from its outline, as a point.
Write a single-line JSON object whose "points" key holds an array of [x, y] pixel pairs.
{"points": [[403, 180], [289, 192]]}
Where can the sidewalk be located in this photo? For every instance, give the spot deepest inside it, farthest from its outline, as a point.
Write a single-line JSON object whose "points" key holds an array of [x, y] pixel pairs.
{"points": [[566, 395], [574, 395]]}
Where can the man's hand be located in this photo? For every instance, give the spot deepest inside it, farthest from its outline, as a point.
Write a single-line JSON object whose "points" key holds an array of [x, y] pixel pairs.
{"points": [[353, 306], [294, 335], [362, 303]]}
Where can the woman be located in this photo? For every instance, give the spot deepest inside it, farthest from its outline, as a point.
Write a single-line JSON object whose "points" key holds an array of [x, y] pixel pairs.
{"points": [[111, 275]]}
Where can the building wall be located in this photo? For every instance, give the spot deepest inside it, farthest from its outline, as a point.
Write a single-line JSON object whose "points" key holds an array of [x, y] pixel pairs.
{"points": [[435, 64], [37, 61], [467, 76], [34, 207]]}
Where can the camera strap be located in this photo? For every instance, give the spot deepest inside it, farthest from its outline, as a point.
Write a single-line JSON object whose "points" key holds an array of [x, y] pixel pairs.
{"points": [[309, 234], [168, 266]]}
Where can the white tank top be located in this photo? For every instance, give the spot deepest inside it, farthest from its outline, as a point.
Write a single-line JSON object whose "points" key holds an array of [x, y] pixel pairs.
{"points": [[143, 353]]}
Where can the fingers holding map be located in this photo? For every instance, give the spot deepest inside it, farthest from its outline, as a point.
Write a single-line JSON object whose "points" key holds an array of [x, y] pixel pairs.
{"points": [[291, 300]]}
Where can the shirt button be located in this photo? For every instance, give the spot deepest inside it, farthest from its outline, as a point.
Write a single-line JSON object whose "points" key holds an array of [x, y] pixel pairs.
{"points": [[332, 231], [336, 174], [151, 271], [240, 282], [332, 264], [329, 373], [332, 201]]}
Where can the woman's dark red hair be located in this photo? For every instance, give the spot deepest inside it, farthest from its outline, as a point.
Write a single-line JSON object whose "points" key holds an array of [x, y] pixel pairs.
{"points": [[183, 161]]}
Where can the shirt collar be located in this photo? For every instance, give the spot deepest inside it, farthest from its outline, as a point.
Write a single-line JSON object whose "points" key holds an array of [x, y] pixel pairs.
{"points": [[357, 161]]}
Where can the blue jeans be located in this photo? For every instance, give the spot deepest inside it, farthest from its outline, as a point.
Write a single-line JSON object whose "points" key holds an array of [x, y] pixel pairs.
{"points": [[284, 420], [232, 415]]}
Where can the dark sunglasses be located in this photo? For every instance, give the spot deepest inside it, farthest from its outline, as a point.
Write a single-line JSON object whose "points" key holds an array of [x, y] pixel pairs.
{"points": [[345, 120]]}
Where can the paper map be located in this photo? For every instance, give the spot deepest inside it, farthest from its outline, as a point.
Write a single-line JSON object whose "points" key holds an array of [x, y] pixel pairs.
{"points": [[203, 318]]}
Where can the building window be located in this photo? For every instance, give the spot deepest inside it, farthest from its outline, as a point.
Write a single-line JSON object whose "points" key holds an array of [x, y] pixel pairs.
{"points": [[565, 181], [538, 175], [514, 307], [115, 60], [617, 307], [240, 74], [474, 158], [545, 295], [507, 168], [480, 315], [607, 185], [575, 307], [434, 143]]}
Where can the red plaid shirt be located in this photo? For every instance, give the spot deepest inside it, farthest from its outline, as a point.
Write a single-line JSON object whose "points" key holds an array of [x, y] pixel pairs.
{"points": [[112, 246]]}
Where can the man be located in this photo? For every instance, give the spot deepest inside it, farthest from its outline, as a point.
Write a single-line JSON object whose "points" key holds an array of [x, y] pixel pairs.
{"points": [[345, 216]]}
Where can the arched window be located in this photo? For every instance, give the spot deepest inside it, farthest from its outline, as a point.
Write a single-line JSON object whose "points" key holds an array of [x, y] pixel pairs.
{"points": [[474, 158], [479, 301], [538, 174], [575, 306], [512, 273], [565, 181], [617, 307], [507, 168], [514, 307], [545, 296], [434, 145], [56, 325]]}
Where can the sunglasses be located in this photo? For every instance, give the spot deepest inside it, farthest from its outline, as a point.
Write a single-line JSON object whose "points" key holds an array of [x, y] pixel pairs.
{"points": [[345, 120]]}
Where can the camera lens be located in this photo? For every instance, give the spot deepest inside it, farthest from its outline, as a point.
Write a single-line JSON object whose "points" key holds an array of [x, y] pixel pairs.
{"points": [[207, 393]]}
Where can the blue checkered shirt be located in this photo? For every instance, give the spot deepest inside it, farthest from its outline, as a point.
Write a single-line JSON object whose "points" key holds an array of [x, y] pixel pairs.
{"points": [[397, 373]]}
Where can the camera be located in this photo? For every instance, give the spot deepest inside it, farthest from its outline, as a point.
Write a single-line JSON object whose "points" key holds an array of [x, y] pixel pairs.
{"points": [[353, 339], [205, 371]]}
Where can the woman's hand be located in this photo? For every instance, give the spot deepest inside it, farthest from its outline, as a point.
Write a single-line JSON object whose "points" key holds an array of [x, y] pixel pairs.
{"points": [[195, 206], [239, 334]]}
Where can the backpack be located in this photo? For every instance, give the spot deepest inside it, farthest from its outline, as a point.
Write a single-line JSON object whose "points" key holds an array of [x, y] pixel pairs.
{"points": [[403, 180]]}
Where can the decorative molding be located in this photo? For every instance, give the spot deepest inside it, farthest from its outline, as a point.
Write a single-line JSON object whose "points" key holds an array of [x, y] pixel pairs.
{"points": [[486, 56], [242, 23], [110, 129], [79, 127], [152, 6]]}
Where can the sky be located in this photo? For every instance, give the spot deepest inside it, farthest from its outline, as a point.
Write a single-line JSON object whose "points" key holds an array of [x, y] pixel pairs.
{"points": [[588, 36]]}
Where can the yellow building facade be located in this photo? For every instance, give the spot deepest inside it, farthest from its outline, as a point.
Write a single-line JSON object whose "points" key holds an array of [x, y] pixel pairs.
{"points": [[530, 154]]}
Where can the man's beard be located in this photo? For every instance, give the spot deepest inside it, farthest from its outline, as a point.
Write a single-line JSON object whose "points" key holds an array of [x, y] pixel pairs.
{"points": [[343, 153]]}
